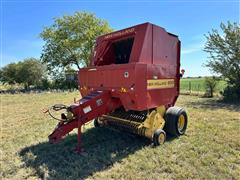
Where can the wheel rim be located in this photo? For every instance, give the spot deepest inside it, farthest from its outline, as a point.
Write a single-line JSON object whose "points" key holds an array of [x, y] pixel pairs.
{"points": [[181, 123], [161, 138]]}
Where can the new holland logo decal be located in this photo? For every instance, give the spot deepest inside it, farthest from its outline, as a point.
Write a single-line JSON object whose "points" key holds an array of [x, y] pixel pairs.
{"points": [[160, 83]]}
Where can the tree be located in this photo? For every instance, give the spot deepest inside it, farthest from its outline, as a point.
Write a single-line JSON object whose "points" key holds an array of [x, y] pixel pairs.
{"points": [[224, 51], [70, 40], [8, 74], [27, 72], [31, 72], [210, 85]]}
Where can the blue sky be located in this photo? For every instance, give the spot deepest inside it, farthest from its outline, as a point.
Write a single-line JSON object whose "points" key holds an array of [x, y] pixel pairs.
{"points": [[22, 21]]}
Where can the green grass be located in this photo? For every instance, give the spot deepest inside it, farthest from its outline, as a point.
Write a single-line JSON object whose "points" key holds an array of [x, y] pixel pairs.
{"points": [[209, 150], [197, 85]]}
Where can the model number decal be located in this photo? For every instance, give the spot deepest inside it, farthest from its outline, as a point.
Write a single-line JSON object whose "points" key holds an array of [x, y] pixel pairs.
{"points": [[160, 83], [119, 33]]}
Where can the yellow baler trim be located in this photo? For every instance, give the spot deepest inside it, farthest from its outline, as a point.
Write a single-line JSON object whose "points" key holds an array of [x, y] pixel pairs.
{"points": [[154, 121]]}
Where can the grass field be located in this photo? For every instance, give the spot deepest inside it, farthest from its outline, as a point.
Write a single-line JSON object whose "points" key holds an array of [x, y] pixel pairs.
{"points": [[209, 150], [197, 85]]}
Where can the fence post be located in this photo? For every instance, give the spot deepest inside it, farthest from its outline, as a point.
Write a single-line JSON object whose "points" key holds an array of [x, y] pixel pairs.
{"points": [[189, 87], [198, 89]]}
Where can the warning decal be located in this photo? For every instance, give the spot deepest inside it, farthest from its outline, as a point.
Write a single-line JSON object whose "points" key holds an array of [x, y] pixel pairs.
{"points": [[160, 83], [87, 109]]}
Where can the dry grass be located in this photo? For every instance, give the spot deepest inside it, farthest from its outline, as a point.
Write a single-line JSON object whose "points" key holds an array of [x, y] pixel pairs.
{"points": [[210, 148]]}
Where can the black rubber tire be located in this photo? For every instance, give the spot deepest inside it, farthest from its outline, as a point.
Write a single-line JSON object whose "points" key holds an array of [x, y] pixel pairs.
{"points": [[171, 121], [156, 135]]}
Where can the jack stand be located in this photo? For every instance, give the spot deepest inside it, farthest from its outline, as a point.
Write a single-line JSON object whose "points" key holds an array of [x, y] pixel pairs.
{"points": [[79, 148]]}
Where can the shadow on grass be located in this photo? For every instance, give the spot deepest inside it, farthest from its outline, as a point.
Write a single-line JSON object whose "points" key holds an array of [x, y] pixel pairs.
{"points": [[214, 104], [104, 147]]}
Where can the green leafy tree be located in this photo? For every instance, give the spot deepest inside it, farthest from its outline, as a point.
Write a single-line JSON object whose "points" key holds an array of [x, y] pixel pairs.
{"points": [[30, 72], [224, 56], [27, 72], [70, 40], [210, 85], [8, 74]]}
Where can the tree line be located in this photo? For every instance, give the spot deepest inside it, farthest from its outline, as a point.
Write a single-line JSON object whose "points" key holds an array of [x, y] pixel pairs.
{"points": [[31, 73], [70, 40]]}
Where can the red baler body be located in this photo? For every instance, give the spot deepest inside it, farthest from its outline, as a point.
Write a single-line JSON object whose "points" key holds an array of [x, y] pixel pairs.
{"points": [[149, 79]]}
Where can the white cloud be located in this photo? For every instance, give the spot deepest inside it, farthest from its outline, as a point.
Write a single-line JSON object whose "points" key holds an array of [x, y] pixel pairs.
{"points": [[195, 46], [190, 50]]}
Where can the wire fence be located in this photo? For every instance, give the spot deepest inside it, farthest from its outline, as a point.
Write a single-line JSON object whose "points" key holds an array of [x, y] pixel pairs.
{"points": [[197, 87]]}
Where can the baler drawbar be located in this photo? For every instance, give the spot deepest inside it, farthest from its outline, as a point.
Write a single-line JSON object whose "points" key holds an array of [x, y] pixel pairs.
{"points": [[89, 107], [132, 83]]}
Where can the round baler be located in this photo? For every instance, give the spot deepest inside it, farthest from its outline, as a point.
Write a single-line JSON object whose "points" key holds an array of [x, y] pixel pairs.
{"points": [[132, 83]]}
